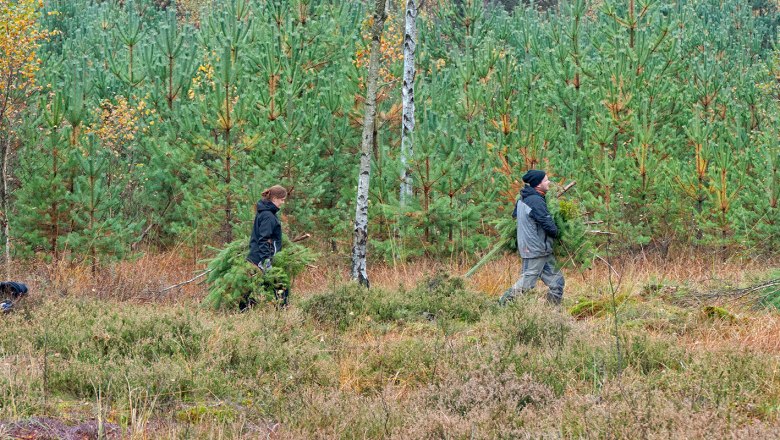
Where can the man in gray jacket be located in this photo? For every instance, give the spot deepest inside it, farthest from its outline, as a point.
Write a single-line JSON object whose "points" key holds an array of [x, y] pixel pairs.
{"points": [[535, 232]]}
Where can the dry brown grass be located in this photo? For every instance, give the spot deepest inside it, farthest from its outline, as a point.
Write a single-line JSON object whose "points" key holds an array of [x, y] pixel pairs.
{"points": [[752, 331], [335, 271], [142, 279], [497, 275]]}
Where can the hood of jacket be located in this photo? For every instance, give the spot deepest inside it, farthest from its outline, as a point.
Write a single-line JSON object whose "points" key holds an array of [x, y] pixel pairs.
{"points": [[528, 191], [267, 205]]}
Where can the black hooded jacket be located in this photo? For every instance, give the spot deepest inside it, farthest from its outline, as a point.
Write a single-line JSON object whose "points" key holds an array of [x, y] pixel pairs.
{"points": [[266, 238]]}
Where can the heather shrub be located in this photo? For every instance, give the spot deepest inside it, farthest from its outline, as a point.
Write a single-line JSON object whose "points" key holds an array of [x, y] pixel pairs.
{"points": [[486, 389], [647, 355], [442, 296], [341, 306], [528, 322], [479, 403], [86, 348], [437, 298], [407, 362]]}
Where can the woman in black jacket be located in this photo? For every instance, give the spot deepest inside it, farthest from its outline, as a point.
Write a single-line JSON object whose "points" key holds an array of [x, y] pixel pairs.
{"points": [[266, 241], [266, 238]]}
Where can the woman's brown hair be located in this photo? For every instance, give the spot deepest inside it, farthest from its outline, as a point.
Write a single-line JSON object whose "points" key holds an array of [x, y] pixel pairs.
{"points": [[274, 192]]}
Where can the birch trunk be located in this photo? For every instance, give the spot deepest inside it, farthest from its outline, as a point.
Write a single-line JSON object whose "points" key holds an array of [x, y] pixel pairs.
{"points": [[361, 210], [4, 196], [5, 146], [407, 126]]}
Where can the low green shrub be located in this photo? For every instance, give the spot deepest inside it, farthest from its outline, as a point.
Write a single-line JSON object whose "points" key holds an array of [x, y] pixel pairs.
{"points": [[437, 298], [407, 362], [342, 306], [527, 322]]}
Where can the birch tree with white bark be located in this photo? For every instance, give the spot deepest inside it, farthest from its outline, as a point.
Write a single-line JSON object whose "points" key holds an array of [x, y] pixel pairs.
{"points": [[359, 272], [407, 124]]}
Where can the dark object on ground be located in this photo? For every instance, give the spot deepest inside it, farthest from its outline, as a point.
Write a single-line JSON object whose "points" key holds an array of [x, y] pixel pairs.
{"points": [[13, 288], [10, 293], [246, 302]]}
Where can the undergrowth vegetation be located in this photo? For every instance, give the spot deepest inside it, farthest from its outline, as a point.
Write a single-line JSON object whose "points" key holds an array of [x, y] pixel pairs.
{"points": [[438, 360]]}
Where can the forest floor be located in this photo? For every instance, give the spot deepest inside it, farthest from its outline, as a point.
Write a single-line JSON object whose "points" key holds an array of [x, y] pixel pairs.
{"points": [[685, 348]]}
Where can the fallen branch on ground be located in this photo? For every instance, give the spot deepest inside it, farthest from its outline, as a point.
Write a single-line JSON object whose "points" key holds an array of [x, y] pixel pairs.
{"points": [[205, 272], [732, 296], [736, 294], [301, 238]]}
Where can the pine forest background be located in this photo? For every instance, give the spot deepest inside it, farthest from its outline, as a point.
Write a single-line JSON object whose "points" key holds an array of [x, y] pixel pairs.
{"points": [[142, 125]]}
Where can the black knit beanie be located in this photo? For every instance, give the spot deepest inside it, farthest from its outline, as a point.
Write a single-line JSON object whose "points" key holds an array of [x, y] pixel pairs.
{"points": [[534, 177]]}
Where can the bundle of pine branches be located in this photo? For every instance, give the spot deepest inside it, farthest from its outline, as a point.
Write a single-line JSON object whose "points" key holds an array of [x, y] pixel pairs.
{"points": [[232, 279], [573, 245]]}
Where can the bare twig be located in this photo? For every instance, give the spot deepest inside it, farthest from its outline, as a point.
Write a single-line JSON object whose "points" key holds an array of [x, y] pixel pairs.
{"points": [[185, 282], [143, 235], [301, 238], [567, 187]]}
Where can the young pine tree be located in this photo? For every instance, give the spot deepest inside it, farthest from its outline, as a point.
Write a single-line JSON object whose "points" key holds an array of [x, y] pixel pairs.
{"points": [[98, 232]]}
